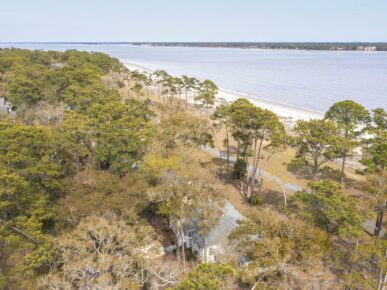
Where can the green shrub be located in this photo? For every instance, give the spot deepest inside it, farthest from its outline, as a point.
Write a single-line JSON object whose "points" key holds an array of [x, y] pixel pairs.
{"points": [[256, 200]]}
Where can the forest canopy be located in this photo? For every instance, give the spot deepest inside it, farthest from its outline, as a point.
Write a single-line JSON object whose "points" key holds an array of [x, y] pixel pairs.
{"points": [[109, 176]]}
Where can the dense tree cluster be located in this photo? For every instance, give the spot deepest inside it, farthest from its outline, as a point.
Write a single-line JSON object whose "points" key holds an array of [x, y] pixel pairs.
{"points": [[209, 277], [254, 129], [100, 159], [278, 249], [37, 162], [30, 182], [204, 93], [103, 252], [72, 77]]}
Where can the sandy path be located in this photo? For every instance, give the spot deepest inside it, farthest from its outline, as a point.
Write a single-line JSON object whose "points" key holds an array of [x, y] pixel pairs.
{"points": [[275, 179]]}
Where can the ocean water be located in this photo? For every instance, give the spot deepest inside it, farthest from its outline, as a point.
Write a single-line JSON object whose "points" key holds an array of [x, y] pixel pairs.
{"points": [[312, 80]]}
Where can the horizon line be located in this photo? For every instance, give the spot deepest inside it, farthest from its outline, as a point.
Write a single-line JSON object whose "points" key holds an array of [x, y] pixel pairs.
{"points": [[247, 42]]}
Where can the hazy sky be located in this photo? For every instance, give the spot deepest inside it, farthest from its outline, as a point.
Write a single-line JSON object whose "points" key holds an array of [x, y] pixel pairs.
{"points": [[193, 20]]}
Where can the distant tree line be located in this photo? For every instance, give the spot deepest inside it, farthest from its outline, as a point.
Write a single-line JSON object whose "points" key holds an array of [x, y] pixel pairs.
{"points": [[380, 46]]}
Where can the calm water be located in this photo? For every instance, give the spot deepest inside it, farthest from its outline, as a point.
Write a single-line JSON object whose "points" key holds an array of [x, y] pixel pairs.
{"points": [[308, 79]]}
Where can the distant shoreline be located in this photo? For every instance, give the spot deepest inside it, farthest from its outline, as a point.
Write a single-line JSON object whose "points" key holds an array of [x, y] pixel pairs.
{"points": [[318, 46], [287, 112]]}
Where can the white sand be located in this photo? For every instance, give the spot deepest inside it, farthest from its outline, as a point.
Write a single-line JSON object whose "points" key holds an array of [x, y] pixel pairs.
{"points": [[285, 112], [282, 110], [132, 66]]}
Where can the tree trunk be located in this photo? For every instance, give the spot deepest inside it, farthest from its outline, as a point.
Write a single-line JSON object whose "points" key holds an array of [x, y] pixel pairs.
{"points": [[78, 162], [260, 185], [177, 249], [221, 158], [381, 278], [351, 268], [284, 194], [236, 174], [205, 250], [255, 285], [315, 169], [179, 230], [248, 184], [251, 176], [25, 235], [245, 154], [379, 221], [256, 164], [183, 250], [343, 168], [228, 150], [238, 149]]}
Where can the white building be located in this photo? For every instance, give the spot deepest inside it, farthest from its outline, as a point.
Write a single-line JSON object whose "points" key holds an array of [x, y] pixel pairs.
{"points": [[6, 108], [215, 243]]}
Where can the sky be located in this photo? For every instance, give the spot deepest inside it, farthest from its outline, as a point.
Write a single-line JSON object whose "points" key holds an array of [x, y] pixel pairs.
{"points": [[193, 20]]}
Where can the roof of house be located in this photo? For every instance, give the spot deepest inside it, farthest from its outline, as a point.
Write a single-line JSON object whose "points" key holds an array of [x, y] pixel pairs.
{"points": [[228, 222], [220, 233], [4, 103], [370, 226]]}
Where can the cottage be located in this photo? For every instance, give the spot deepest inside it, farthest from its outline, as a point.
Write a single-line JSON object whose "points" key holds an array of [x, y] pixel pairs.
{"points": [[3, 106], [210, 247], [6, 108]]}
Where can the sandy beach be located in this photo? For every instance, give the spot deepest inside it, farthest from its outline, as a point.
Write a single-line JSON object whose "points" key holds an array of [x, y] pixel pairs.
{"points": [[287, 113]]}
